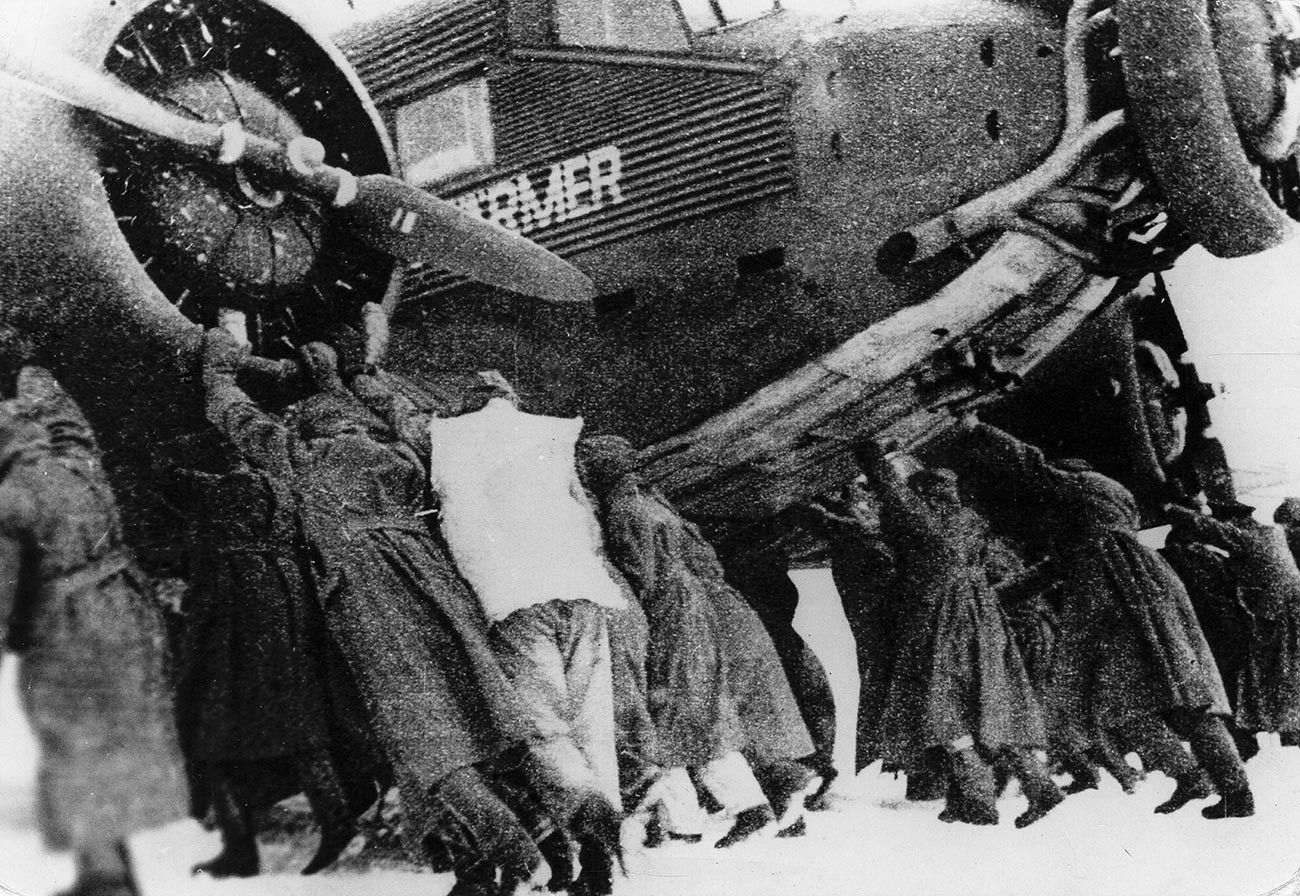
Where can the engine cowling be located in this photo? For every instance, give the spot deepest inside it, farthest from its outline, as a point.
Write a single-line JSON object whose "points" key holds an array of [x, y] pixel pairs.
{"points": [[114, 239], [93, 275]]}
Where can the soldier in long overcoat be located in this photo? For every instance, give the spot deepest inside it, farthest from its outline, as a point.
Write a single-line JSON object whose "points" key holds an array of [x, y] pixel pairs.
{"points": [[265, 703], [1263, 681], [864, 570], [958, 682], [93, 679], [1131, 657], [408, 626], [717, 689]]}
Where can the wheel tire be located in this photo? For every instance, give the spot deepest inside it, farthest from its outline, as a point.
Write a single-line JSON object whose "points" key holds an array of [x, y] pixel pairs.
{"points": [[1178, 104]]}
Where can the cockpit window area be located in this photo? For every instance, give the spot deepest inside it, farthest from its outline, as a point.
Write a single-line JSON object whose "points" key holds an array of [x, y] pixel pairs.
{"points": [[628, 24], [446, 134], [705, 15]]}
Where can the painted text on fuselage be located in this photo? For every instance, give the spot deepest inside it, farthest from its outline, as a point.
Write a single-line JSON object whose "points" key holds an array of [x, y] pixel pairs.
{"points": [[569, 189]]}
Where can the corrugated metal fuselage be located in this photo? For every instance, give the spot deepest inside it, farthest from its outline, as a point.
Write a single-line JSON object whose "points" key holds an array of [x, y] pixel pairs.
{"points": [[729, 200]]}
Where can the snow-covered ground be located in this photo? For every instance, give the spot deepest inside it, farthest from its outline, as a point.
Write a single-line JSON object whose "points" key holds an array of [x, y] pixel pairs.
{"points": [[871, 842]]}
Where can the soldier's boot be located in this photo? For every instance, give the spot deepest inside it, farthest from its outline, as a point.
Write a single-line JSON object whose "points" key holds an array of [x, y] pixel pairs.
{"points": [[971, 794], [925, 785], [1043, 794], [1083, 775], [747, 823], [1195, 785], [674, 809], [238, 856], [1108, 755], [1161, 749], [480, 834], [1214, 746], [556, 849], [104, 870], [929, 779], [329, 804], [1247, 743], [788, 786], [597, 826], [476, 880]]}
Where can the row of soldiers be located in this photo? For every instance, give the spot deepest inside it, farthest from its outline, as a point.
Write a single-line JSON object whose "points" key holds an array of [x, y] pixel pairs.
{"points": [[978, 651], [330, 643], [333, 642]]}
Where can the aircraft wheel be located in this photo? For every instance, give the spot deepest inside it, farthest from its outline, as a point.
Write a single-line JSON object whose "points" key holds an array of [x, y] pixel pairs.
{"points": [[1210, 106], [211, 236]]}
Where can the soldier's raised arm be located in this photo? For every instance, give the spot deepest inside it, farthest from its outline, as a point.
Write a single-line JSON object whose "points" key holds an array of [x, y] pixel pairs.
{"points": [[1004, 458], [399, 412], [261, 438], [1208, 529]]}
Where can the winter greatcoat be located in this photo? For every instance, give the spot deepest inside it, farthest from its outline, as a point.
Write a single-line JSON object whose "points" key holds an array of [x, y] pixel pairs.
{"points": [[93, 680], [1264, 681], [1129, 644], [714, 679], [958, 672], [410, 629], [262, 688]]}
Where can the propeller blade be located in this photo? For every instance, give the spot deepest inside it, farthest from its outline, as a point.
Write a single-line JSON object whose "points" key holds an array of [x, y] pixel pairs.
{"points": [[75, 84], [382, 211], [408, 223]]}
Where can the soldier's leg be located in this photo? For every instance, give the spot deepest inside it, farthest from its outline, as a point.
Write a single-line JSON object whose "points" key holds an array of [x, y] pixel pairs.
{"points": [[1213, 745], [971, 796], [674, 807], [557, 657], [103, 869], [1161, 750], [731, 782], [639, 760], [479, 834], [234, 818], [1107, 753], [1043, 794], [767, 588], [929, 779], [327, 794]]}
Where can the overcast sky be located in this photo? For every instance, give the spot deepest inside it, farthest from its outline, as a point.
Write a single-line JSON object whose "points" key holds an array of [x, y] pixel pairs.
{"points": [[1242, 318]]}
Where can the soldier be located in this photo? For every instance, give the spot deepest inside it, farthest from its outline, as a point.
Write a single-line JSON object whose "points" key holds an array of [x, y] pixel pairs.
{"points": [[1131, 656], [865, 572], [958, 682], [759, 573], [93, 679], [406, 623], [719, 697], [265, 703], [1263, 674], [516, 520]]}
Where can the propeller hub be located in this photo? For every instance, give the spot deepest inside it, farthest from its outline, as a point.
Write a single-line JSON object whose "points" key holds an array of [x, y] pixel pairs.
{"points": [[238, 233], [216, 235]]}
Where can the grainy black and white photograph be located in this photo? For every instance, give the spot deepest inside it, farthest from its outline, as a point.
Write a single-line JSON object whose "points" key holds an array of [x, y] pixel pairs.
{"points": [[649, 447]]}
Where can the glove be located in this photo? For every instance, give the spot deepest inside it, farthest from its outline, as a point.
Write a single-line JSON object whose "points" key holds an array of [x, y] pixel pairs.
{"points": [[322, 365], [222, 354]]}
